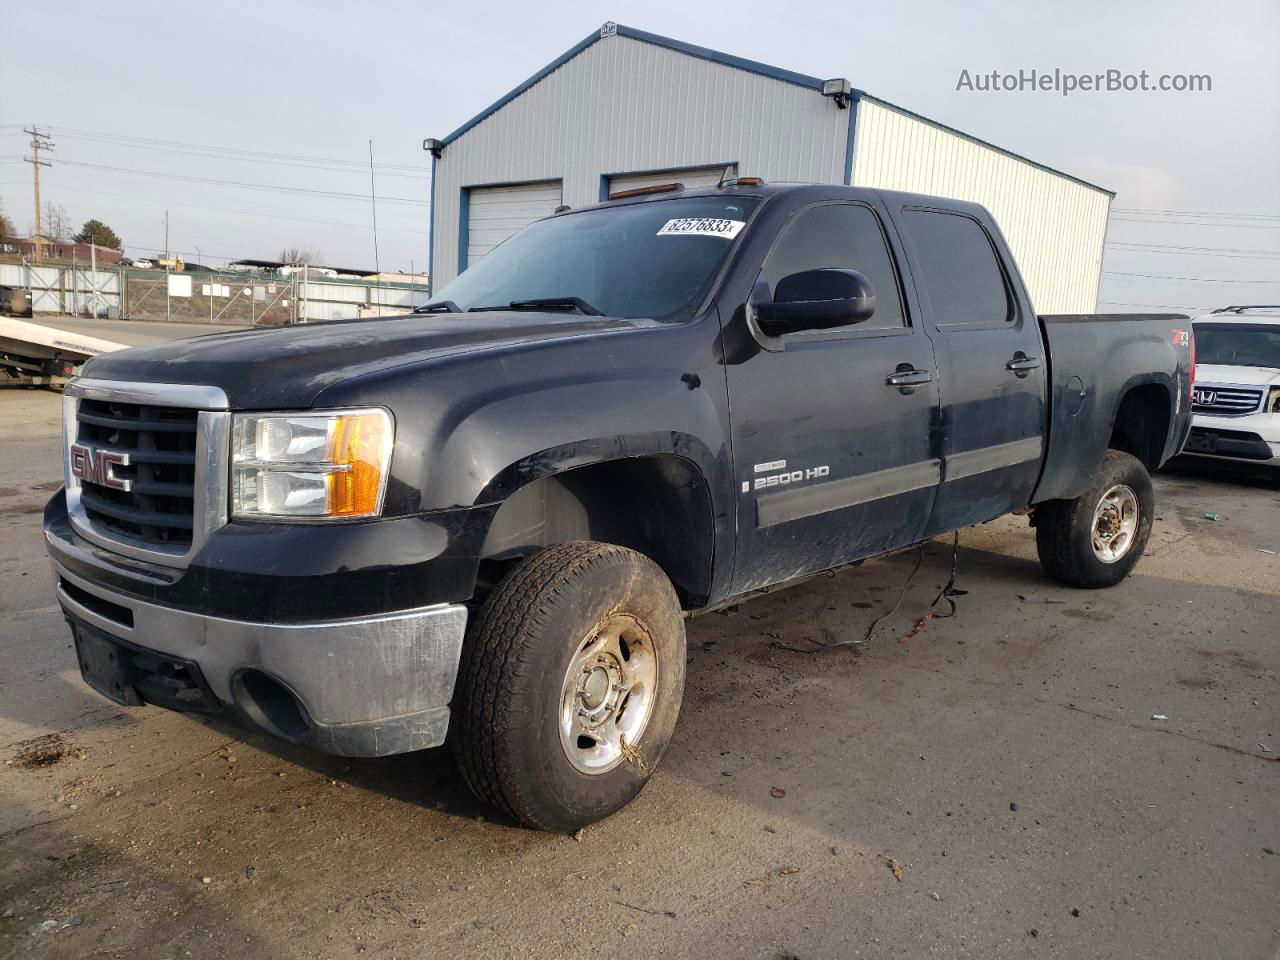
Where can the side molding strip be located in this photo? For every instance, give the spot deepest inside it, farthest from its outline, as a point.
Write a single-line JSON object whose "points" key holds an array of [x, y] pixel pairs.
{"points": [[970, 463], [794, 504]]}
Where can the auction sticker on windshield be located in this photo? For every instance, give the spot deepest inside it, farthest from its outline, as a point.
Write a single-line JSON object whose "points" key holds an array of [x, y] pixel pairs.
{"points": [[701, 227]]}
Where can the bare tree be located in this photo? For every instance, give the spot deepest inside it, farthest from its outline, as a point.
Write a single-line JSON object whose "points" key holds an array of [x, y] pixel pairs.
{"points": [[56, 223], [299, 256]]}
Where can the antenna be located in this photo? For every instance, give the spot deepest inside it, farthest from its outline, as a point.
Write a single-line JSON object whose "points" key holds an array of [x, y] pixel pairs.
{"points": [[373, 199]]}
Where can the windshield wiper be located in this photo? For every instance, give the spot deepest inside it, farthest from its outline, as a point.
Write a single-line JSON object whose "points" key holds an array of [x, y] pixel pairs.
{"points": [[556, 303], [440, 306]]}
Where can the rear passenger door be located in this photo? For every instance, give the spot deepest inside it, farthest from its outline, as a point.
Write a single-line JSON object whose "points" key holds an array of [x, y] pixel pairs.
{"points": [[991, 363]]}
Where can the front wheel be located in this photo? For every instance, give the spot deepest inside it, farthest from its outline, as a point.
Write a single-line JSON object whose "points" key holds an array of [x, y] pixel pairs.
{"points": [[1096, 539], [570, 685]]}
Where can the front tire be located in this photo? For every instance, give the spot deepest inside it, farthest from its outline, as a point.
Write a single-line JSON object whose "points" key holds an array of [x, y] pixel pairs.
{"points": [[1096, 539], [570, 685]]}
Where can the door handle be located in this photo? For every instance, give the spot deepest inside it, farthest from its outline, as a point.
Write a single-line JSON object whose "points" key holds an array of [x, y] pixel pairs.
{"points": [[908, 377], [1021, 364]]}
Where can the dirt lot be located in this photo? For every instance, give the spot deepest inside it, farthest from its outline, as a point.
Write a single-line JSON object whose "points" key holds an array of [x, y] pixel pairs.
{"points": [[1053, 772]]}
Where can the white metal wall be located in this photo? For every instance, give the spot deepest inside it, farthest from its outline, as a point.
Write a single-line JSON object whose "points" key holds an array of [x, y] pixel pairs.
{"points": [[1054, 225], [700, 177], [624, 105]]}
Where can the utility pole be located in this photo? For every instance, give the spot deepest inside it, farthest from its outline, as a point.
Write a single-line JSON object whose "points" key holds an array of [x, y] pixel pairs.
{"points": [[39, 141]]}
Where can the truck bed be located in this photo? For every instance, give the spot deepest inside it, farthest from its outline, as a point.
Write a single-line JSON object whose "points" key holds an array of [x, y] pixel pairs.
{"points": [[1092, 359]]}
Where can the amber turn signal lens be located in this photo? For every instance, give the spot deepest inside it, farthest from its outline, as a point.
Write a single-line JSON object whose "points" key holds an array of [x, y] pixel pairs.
{"points": [[358, 450]]}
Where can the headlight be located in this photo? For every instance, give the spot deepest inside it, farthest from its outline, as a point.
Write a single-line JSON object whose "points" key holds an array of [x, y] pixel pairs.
{"points": [[1273, 401], [310, 466]]}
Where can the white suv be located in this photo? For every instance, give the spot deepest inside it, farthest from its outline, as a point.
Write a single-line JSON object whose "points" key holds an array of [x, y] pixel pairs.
{"points": [[1237, 390]]}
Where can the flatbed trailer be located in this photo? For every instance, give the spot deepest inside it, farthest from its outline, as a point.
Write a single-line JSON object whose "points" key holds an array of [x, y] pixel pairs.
{"points": [[45, 352]]}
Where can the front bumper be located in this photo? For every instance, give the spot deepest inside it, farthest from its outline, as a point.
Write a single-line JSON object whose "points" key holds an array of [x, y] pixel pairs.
{"points": [[363, 688], [1252, 439]]}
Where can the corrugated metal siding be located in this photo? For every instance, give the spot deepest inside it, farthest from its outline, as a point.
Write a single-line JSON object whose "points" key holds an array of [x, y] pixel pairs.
{"points": [[1054, 225], [623, 105], [700, 177]]}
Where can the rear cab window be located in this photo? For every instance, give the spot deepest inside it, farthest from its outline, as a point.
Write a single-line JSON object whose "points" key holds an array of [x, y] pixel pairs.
{"points": [[960, 273]]}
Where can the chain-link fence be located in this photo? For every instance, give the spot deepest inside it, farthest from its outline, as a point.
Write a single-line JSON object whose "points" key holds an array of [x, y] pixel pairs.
{"points": [[224, 297]]}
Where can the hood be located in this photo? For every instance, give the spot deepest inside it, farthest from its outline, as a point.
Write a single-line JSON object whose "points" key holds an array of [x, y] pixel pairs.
{"points": [[285, 367], [1236, 376]]}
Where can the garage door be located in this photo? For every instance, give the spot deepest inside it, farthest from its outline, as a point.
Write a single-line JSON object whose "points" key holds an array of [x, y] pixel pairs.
{"points": [[495, 213], [700, 177]]}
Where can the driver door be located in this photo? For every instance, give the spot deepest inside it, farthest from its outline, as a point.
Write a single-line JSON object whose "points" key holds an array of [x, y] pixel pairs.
{"points": [[833, 462]]}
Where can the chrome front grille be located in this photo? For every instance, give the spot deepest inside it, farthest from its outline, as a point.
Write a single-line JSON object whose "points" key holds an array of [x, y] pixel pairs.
{"points": [[146, 466], [151, 497], [1225, 401]]}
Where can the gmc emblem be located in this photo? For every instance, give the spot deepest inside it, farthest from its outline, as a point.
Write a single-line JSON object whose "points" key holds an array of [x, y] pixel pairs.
{"points": [[1205, 397], [95, 466]]}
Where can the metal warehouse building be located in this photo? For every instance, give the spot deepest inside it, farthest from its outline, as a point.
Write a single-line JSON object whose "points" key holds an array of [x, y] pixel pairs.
{"points": [[625, 108]]}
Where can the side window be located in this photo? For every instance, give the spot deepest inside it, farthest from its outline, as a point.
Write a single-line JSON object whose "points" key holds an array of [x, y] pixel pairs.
{"points": [[840, 235], [958, 268]]}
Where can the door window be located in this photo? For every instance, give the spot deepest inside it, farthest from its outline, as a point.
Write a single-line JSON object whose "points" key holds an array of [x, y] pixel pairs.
{"points": [[846, 236], [960, 273]]}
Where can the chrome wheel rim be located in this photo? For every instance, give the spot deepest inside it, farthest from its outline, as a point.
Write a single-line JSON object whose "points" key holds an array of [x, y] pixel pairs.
{"points": [[608, 694], [1115, 523]]}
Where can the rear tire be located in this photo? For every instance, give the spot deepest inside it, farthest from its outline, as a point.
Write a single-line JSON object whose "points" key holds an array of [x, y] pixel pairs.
{"points": [[1096, 539], [570, 685]]}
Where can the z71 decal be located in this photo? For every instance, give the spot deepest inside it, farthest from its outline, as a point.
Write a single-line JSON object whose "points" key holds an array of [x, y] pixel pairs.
{"points": [[701, 227]]}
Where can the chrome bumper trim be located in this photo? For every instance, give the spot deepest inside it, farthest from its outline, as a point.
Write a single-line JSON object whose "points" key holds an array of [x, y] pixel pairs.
{"points": [[364, 671]]}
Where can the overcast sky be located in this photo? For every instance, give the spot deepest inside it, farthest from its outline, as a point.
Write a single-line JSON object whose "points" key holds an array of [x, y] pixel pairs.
{"points": [[319, 79]]}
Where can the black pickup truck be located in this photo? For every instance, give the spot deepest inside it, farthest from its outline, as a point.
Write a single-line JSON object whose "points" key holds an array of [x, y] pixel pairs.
{"points": [[489, 519]]}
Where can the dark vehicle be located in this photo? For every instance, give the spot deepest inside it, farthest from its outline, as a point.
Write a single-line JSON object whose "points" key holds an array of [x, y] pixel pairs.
{"points": [[490, 518]]}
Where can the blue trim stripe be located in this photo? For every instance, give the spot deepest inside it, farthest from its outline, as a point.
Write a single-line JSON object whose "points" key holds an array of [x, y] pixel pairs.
{"points": [[464, 225], [990, 146], [703, 53], [851, 140], [728, 59], [538, 77], [431, 232]]}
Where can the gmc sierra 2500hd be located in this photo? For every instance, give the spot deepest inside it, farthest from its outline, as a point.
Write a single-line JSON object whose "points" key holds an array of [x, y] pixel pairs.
{"points": [[489, 519]]}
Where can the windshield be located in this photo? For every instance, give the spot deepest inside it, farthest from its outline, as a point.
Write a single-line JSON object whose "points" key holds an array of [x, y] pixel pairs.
{"points": [[1238, 344], [652, 260]]}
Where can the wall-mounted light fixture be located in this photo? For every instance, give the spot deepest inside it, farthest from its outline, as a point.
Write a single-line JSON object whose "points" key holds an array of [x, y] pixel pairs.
{"points": [[433, 147], [839, 90]]}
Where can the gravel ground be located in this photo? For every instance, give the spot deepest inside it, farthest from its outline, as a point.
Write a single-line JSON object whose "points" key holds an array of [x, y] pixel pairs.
{"points": [[1048, 773]]}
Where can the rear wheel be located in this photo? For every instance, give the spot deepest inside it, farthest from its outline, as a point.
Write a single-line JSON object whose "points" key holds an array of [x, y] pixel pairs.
{"points": [[1096, 539], [570, 685]]}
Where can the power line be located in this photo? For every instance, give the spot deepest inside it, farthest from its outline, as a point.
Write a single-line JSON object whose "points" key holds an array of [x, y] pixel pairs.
{"points": [[318, 163], [1153, 276], [275, 188], [1159, 306], [1198, 213], [251, 213], [229, 152], [1200, 223], [1229, 252]]}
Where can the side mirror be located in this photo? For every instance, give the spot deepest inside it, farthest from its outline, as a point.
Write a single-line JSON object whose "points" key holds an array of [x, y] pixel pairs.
{"points": [[817, 300]]}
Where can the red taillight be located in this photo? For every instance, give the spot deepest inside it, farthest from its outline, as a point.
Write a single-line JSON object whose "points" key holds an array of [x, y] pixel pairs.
{"points": [[1191, 379]]}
